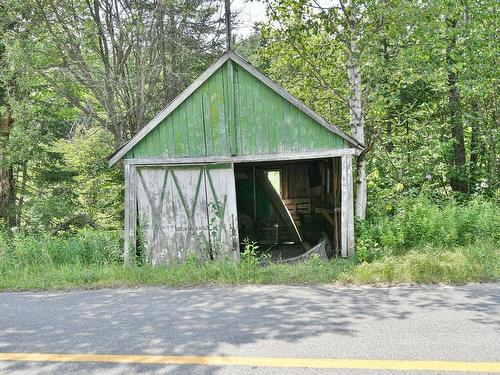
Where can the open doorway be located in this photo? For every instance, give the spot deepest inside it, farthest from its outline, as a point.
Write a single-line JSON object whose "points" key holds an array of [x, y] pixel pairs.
{"points": [[288, 207]]}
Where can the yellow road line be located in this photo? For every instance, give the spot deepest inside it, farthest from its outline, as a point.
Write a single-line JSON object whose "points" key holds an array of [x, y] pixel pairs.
{"points": [[367, 364]]}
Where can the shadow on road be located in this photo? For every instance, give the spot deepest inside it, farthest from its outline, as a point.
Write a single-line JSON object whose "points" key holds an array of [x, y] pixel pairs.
{"points": [[200, 321]]}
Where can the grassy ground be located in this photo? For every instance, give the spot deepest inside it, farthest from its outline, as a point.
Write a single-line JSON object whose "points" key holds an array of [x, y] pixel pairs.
{"points": [[471, 263], [421, 242]]}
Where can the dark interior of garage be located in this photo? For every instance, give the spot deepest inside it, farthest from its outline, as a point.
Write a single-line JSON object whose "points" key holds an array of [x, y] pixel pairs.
{"points": [[289, 207]]}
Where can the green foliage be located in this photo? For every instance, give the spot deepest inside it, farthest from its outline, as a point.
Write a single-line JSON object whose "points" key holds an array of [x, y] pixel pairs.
{"points": [[249, 47], [72, 186], [191, 260], [473, 263], [88, 248], [315, 261], [422, 242], [213, 247], [419, 222], [479, 262], [368, 250], [404, 71], [249, 255], [97, 187]]}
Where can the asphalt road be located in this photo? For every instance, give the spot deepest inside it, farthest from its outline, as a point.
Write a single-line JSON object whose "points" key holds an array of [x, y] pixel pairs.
{"points": [[433, 323]]}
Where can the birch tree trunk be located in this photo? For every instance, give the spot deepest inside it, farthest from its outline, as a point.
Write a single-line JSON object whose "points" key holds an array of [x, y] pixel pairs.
{"points": [[357, 112]]}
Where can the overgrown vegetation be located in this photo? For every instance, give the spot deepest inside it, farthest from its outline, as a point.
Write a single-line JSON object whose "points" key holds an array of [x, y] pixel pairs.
{"points": [[420, 223], [422, 243], [472, 263], [87, 248]]}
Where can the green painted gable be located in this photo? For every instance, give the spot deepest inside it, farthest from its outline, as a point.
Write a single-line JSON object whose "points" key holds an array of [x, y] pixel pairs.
{"points": [[234, 113]]}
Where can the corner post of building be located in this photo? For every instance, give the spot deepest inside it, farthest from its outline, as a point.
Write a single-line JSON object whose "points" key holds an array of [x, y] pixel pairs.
{"points": [[347, 207], [130, 214]]}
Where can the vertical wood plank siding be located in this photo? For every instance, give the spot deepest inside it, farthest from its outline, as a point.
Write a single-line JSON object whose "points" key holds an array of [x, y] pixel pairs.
{"points": [[233, 113]]}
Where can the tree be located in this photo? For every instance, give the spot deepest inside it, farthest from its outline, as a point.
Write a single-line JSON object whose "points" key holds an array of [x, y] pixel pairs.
{"points": [[429, 87], [340, 26], [7, 186], [73, 69], [120, 62], [461, 34], [352, 13]]}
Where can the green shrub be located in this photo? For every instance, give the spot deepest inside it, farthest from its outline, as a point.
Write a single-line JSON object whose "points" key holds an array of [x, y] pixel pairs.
{"points": [[368, 250], [419, 222], [476, 262], [87, 248], [315, 261]]}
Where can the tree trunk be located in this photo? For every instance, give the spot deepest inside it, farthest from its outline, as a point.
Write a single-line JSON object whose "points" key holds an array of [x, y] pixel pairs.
{"points": [[475, 143], [458, 180], [388, 117], [7, 188], [357, 116], [493, 146], [21, 194]]}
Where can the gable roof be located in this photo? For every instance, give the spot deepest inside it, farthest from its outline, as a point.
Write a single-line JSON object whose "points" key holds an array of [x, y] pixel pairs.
{"points": [[120, 152]]}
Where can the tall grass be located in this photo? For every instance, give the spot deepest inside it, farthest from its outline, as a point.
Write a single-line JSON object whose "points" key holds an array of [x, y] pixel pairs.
{"points": [[86, 248], [478, 263], [422, 243], [418, 222]]}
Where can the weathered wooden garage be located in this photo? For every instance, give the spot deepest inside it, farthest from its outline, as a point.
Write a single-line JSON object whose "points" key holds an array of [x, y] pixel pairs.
{"points": [[233, 157]]}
